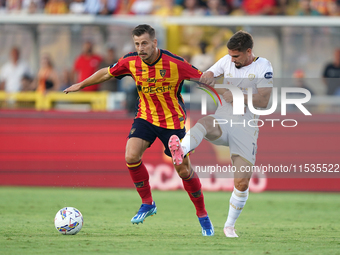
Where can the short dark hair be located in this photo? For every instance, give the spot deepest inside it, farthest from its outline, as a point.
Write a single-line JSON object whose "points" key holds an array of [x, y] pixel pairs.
{"points": [[142, 29], [240, 41]]}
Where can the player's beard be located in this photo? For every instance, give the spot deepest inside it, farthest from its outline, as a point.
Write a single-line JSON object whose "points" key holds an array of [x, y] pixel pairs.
{"points": [[146, 57]]}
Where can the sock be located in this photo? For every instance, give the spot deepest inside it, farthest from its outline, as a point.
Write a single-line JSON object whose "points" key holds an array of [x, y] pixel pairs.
{"points": [[237, 202], [193, 138], [140, 178], [192, 185]]}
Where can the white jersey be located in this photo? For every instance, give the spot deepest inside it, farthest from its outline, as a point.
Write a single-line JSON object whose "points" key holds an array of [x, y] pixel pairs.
{"points": [[237, 132], [259, 74]]}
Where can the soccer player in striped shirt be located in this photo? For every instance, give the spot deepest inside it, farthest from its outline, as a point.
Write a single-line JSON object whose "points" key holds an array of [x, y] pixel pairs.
{"points": [[159, 76]]}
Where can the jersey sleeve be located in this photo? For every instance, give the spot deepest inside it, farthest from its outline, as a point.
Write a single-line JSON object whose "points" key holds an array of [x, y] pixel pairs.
{"points": [[218, 68], [189, 72], [119, 69], [265, 76]]}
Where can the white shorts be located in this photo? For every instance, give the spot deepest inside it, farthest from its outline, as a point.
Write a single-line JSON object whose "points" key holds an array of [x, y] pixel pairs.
{"points": [[242, 140]]}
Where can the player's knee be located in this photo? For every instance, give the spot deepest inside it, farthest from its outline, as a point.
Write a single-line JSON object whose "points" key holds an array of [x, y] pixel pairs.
{"points": [[182, 171], [208, 125], [212, 128], [132, 157], [242, 184]]}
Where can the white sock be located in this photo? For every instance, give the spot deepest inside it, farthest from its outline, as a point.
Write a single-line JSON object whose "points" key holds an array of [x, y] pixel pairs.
{"points": [[237, 202], [193, 138]]}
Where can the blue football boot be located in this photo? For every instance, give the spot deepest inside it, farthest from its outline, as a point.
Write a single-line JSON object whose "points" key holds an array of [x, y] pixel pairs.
{"points": [[144, 211], [207, 226]]}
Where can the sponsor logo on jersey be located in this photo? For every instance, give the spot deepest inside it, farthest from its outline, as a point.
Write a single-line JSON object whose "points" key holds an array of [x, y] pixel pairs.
{"points": [[151, 80], [244, 90], [151, 90], [268, 75]]}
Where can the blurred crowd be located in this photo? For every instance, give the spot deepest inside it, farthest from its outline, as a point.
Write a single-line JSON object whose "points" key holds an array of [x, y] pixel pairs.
{"points": [[174, 7], [16, 76]]}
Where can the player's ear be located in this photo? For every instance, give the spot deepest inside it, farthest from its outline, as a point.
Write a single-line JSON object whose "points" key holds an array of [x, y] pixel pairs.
{"points": [[249, 51], [155, 42]]}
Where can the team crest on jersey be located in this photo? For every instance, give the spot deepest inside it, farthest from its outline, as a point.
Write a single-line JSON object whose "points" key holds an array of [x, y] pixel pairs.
{"points": [[162, 72], [251, 77]]}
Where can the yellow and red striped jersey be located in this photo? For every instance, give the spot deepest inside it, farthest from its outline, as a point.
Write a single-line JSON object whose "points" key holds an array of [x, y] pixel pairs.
{"points": [[159, 86]]}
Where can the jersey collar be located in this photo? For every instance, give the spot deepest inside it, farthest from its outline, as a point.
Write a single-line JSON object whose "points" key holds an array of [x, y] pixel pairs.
{"points": [[157, 59]]}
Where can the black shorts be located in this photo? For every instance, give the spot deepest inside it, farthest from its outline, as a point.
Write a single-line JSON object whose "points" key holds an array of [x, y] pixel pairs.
{"points": [[149, 132]]}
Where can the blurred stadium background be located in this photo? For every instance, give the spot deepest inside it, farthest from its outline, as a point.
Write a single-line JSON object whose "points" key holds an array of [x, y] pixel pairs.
{"points": [[52, 139]]}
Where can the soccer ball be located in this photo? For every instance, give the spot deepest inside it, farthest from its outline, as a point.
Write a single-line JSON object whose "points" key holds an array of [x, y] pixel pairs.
{"points": [[68, 221]]}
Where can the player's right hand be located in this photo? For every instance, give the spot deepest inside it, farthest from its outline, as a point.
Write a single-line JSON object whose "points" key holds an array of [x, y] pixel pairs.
{"points": [[208, 78], [74, 88]]}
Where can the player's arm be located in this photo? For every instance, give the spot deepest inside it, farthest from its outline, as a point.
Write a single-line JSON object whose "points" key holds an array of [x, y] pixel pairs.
{"points": [[98, 77], [208, 78], [216, 70], [261, 99], [221, 91]]}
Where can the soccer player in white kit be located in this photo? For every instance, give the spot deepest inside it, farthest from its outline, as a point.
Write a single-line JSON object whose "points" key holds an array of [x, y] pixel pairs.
{"points": [[242, 69]]}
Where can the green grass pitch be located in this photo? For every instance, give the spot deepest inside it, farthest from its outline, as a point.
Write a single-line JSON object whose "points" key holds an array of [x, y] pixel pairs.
{"points": [[271, 223]]}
